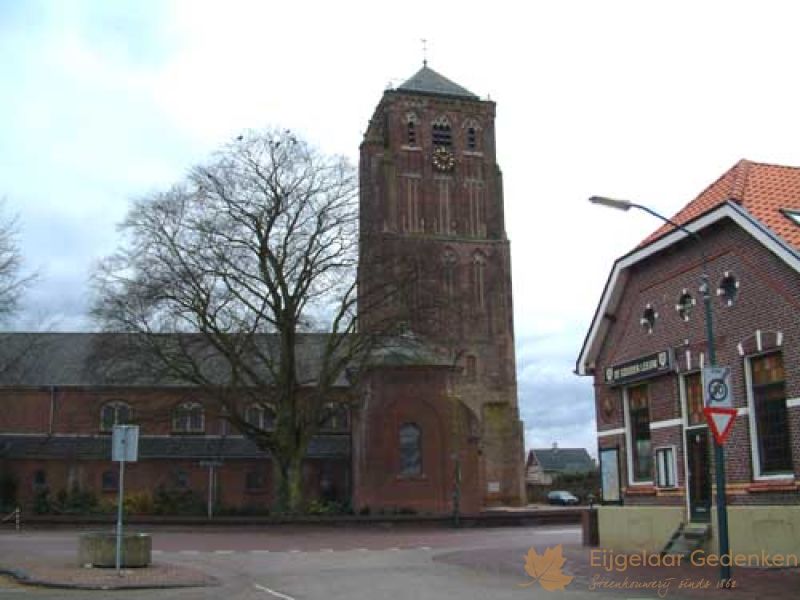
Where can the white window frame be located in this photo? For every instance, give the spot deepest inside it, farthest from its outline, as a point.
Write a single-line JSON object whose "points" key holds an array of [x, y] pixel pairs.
{"points": [[115, 405], [182, 412], [629, 437], [755, 454], [673, 464]]}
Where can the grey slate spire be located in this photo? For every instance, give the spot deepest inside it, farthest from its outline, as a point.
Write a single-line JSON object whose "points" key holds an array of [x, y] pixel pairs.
{"points": [[428, 81]]}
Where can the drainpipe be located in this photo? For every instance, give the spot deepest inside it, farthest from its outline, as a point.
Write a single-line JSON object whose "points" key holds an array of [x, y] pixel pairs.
{"points": [[52, 410]]}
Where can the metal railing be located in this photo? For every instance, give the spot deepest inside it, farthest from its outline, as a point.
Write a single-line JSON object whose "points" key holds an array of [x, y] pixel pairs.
{"points": [[14, 514]]}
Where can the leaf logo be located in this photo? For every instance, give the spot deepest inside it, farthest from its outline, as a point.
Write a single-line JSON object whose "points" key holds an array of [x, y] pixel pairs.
{"points": [[546, 569]]}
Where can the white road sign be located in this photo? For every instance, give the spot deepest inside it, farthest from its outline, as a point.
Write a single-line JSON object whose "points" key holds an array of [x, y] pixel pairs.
{"points": [[717, 387], [125, 443]]}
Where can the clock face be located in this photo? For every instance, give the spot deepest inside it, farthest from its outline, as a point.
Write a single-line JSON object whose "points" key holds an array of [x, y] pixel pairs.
{"points": [[443, 159]]}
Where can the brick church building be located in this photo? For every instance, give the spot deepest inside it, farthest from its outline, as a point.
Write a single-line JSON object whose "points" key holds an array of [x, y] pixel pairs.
{"points": [[647, 345], [437, 411]]}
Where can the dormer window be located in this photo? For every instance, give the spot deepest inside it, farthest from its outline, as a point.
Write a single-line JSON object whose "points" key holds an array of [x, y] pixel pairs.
{"points": [[114, 413], [188, 418], [792, 214], [442, 135]]}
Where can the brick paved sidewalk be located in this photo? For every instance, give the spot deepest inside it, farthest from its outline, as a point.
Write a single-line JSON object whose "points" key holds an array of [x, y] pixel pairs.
{"points": [[698, 582], [55, 572]]}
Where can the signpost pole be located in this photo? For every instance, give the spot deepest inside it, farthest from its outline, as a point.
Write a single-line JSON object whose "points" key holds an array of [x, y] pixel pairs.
{"points": [[120, 503], [719, 450]]}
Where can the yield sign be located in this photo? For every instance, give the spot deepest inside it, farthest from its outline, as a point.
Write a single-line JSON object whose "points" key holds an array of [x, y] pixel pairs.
{"points": [[721, 422]]}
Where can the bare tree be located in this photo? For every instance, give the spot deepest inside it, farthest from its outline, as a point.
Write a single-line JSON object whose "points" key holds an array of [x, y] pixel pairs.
{"points": [[13, 281], [236, 263]]}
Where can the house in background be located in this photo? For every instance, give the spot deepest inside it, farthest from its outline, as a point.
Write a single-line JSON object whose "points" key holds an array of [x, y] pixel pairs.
{"points": [[546, 465], [646, 348]]}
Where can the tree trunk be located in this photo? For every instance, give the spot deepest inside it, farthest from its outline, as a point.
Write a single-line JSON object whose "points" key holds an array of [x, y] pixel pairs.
{"points": [[290, 485]]}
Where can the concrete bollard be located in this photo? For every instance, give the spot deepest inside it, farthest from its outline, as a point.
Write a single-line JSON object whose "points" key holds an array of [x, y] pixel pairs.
{"points": [[98, 549]]}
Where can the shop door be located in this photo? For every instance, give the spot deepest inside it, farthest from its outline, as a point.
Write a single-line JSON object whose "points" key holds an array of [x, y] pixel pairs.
{"points": [[699, 485]]}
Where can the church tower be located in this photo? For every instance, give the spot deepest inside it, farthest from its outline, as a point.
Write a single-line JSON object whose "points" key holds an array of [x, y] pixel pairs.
{"points": [[433, 242]]}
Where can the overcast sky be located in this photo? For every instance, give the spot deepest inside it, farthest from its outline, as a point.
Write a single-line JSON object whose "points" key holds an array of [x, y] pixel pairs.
{"points": [[104, 101]]}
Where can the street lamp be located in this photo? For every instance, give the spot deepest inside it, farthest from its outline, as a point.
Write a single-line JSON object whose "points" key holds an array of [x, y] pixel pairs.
{"points": [[705, 290]]}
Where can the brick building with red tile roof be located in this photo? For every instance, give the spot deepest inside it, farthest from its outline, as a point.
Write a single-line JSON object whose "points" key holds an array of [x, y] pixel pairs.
{"points": [[645, 349]]}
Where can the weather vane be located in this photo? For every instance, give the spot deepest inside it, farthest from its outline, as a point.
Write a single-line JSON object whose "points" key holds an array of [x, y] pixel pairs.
{"points": [[424, 52]]}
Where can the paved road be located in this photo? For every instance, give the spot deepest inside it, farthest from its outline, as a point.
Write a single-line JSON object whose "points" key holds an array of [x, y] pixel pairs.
{"points": [[324, 563]]}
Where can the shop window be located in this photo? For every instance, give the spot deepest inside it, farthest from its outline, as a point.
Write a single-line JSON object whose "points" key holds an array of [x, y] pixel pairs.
{"points": [[694, 399], [109, 481], [666, 469], [639, 434], [114, 413], [685, 305], [188, 418], [410, 450], [771, 418], [728, 289]]}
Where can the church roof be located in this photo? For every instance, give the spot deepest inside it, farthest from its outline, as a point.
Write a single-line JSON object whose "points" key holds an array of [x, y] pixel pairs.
{"points": [[768, 192], [562, 460], [428, 81]]}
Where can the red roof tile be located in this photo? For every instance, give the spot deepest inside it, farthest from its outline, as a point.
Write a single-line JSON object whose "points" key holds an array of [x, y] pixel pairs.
{"points": [[761, 189]]}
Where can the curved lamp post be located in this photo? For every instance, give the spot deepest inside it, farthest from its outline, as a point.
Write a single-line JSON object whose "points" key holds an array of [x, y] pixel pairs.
{"points": [[705, 290]]}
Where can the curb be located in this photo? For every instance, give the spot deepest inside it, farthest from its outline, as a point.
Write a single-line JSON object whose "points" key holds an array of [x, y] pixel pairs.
{"points": [[23, 577]]}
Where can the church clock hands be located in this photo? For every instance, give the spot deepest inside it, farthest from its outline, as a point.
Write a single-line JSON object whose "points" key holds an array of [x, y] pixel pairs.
{"points": [[443, 159]]}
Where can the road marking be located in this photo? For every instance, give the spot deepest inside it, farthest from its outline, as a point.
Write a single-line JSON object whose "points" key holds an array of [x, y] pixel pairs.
{"points": [[223, 551], [395, 549], [560, 531], [273, 592], [424, 547], [259, 551], [190, 552], [295, 551]]}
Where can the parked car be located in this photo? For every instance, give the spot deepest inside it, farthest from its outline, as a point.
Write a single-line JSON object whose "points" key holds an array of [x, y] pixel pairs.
{"points": [[561, 497]]}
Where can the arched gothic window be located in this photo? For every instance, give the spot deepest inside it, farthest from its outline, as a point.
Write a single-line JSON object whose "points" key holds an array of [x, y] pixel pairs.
{"points": [[410, 449], [479, 267], [449, 261], [115, 413], [442, 135], [188, 418], [411, 129], [472, 135]]}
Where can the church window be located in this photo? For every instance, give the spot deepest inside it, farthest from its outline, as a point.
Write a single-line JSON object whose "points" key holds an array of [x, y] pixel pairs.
{"points": [[188, 418], [449, 261], [479, 266], [411, 129], [442, 135], [410, 450], [472, 128], [472, 368], [114, 413]]}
